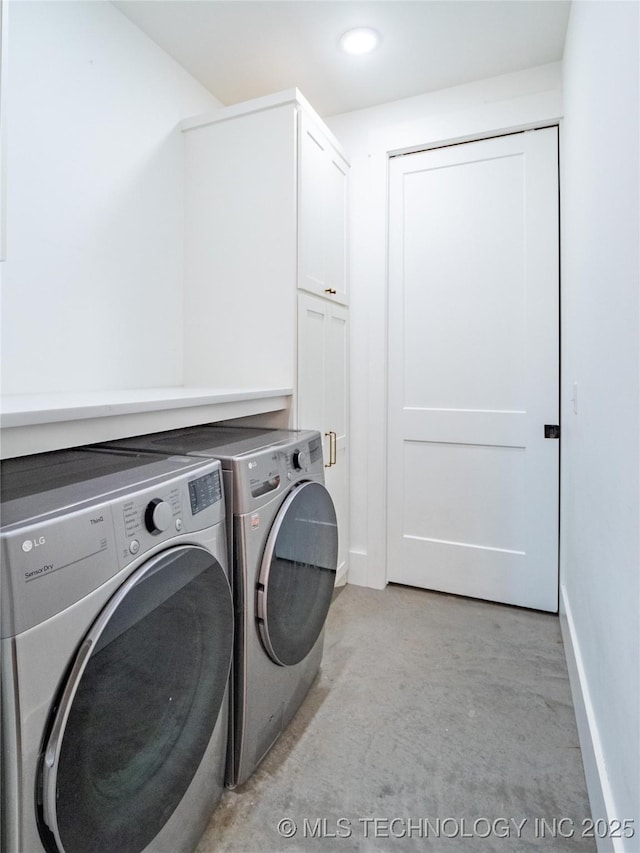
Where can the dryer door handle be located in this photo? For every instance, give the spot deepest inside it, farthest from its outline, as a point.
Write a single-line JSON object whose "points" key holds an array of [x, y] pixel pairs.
{"points": [[52, 753]]}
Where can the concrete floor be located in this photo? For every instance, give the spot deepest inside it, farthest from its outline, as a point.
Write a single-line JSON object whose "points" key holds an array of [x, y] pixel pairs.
{"points": [[437, 724]]}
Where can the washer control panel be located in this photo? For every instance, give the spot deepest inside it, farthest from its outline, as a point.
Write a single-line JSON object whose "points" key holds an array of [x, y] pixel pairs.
{"points": [[299, 459], [263, 474], [305, 457]]}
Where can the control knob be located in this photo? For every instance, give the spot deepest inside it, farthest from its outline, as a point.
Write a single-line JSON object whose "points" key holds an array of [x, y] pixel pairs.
{"points": [[299, 459], [158, 516]]}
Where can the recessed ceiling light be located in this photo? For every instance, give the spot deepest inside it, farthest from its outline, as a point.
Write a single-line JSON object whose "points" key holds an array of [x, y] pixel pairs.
{"points": [[359, 41]]}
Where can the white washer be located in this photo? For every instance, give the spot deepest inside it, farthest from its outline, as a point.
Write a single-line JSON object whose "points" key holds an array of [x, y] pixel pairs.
{"points": [[284, 540], [117, 635]]}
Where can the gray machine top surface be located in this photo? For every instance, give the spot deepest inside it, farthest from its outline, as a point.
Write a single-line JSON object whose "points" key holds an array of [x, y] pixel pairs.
{"points": [[264, 462], [219, 442], [33, 486]]}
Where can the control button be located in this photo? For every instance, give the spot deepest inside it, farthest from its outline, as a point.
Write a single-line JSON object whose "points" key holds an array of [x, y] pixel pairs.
{"points": [[157, 516], [299, 459], [178, 524], [134, 546]]}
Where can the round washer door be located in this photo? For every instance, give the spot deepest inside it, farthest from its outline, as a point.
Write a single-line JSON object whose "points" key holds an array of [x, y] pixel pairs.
{"points": [[297, 576], [139, 706]]}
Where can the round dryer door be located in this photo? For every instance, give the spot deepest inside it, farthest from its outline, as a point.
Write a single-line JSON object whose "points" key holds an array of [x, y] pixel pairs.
{"points": [[298, 573], [139, 706]]}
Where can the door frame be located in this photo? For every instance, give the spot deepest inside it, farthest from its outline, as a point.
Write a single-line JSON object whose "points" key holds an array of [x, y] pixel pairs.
{"points": [[415, 149], [368, 555]]}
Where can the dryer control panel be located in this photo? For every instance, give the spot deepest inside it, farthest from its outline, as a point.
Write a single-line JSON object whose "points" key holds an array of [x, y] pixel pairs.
{"points": [[161, 512], [60, 556]]}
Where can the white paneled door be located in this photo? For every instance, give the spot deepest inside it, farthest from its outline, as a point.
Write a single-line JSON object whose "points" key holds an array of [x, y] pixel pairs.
{"points": [[474, 369]]}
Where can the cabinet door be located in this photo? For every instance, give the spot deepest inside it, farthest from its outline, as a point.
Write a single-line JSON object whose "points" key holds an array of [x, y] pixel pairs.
{"points": [[323, 399], [336, 420], [322, 206]]}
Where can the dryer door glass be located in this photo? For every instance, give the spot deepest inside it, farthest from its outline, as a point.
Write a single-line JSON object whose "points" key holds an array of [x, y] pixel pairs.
{"points": [[139, 707], [298, 574]]}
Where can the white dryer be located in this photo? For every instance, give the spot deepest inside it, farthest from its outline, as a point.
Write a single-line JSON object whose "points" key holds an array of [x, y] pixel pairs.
{"points": [[116, 641], [283, 538]]}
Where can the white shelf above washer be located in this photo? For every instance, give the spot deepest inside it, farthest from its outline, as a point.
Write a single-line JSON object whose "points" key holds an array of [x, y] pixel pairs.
{"points": [[34, 423]]}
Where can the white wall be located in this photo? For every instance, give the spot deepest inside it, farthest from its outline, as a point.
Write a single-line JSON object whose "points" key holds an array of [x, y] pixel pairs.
{"points": [[600, 490], [600, 459], [92, 285], [501, 104]]}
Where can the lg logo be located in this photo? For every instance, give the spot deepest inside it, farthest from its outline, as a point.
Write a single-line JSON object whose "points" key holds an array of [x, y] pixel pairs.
{"points": [[28, 544]]}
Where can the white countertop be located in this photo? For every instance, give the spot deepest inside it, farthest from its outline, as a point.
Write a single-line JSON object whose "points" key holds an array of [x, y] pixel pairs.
{"points": [[34, 423], [24, 409]]}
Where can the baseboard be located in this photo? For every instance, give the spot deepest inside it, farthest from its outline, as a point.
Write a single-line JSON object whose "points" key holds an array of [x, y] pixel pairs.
{"points": [[358, 568], [599, 790], [342, 575], [363, 573]]}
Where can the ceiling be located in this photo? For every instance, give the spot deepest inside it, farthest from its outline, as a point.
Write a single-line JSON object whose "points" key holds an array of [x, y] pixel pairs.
{"points": [[240, 49]]}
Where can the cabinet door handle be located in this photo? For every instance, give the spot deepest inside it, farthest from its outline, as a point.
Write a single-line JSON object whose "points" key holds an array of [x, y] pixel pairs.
{"points": [[333, 448], [329, 463], [330, 290]]}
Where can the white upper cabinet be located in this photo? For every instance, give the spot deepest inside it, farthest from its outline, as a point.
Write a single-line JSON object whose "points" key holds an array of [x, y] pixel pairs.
{"points": [[240, 249], [322, 203], [265, 214]]}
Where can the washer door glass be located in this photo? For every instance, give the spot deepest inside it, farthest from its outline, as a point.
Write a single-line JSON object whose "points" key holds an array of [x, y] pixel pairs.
{"points": [[298, 573], [139, 706]]}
